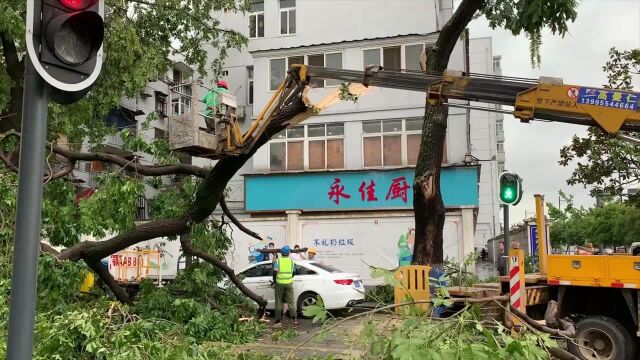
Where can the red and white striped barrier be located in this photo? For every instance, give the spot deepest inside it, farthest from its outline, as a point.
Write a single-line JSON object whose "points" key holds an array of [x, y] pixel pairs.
{"points": [[517, 282], [514, 283]]}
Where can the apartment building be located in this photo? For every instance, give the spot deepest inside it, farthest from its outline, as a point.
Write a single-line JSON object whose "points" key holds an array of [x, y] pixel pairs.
{"points": [[341, 181]]}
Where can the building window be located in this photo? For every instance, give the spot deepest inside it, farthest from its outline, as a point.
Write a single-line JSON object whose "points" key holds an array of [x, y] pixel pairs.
{"points": [[334, 61], [278, 70], [496, 63], [256, 19], [412, 56], [391, 57], [316, 60], [393, 142], [500, 167], [161, 104], [499, 126], [250, 84], [142, 213], [181, 96], [287, 17], [330, 60], [159, 134], [321, 148], [500, 146], [325, 146]]}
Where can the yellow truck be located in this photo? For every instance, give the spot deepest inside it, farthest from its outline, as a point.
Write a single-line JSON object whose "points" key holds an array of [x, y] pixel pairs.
{"points": [[600, 293]]}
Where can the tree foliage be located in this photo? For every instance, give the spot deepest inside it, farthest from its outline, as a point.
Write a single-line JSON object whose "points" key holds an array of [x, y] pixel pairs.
{"points": [[602, 163], [613, 224], [531, 17], [166, 323]]}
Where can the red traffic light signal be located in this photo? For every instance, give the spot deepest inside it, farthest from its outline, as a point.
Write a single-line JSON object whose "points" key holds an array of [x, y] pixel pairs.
{"points": [[64, 43], [75, 38], [77, 5]]}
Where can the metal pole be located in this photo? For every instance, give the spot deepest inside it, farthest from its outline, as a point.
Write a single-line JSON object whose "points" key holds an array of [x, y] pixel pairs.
{"points": [[504, 258], [506, 229], [22, 308]]}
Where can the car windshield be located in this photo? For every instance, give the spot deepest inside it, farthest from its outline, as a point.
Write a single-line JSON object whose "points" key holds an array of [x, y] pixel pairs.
{"points": [[325, 267]]}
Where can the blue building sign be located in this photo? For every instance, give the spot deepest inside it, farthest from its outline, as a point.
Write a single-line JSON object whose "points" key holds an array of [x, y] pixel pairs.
{"points": [[354, 190], [533, 241]]}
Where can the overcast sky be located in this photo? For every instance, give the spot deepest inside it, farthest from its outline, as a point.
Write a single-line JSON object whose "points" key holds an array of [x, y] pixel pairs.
{"points": [[532, 150]]}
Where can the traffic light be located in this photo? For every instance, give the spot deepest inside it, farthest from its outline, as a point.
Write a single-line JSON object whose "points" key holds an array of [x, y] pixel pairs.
{"points": [[64, 42], [510, 188]]}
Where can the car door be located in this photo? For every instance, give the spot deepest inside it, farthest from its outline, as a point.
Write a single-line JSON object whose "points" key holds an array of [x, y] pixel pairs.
{"points": [[305, 279], [258, 279]]}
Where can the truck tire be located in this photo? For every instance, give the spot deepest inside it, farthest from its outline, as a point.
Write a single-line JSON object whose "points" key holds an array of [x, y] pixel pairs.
{"points": [[604, 336]]}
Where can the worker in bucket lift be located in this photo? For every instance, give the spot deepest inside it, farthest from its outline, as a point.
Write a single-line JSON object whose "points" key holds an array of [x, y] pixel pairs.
{"points": [[283, 272], [211, 101]]}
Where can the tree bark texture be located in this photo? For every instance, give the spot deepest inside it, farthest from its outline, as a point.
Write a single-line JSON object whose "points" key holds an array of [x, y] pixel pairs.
{"points": [[427, 199]]}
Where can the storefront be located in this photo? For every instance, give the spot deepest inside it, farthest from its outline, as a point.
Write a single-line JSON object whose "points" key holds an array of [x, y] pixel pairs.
{"points": [[355, 219]]}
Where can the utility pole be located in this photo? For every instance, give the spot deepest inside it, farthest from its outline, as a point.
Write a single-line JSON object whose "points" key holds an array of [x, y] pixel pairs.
{"points": [[24, 277], [63, 59]]}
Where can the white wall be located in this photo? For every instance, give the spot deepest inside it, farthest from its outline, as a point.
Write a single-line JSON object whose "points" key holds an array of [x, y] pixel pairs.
{"points": [[483, 147], [374, 240], [319, 21]]}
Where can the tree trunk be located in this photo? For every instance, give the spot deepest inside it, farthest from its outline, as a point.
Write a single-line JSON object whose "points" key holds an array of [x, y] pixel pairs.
{"points": [[427, 200]]}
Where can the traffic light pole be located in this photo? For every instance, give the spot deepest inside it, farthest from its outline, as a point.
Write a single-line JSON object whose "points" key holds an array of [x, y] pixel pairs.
{"points": [[504, 258], [22, 308], [506, 229]]}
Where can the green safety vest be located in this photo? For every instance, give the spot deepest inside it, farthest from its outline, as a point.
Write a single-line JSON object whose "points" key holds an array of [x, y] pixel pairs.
{"points": [[210, 99], [285, 271]]}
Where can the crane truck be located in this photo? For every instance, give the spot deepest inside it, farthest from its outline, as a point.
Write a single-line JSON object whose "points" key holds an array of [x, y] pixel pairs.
{"points": [[600, 293]]}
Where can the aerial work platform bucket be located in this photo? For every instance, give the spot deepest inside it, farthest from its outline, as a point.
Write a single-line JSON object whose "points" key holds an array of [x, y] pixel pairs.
{"points": [[413, 286]]}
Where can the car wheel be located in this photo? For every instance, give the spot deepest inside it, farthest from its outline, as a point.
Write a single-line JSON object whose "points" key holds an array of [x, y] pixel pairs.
{"points": [[602, 338], [306, 299]]}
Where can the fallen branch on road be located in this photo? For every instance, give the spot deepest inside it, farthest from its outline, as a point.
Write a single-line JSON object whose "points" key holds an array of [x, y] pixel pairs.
{"points": [[500, 298]]}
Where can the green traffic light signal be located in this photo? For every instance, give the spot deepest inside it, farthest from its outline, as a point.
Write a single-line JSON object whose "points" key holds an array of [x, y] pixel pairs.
{"points": [[508, 194], [510, 188]]}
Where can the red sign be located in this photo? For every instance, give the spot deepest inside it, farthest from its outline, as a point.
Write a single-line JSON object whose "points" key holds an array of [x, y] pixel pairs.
{"points": [[337, 191]]}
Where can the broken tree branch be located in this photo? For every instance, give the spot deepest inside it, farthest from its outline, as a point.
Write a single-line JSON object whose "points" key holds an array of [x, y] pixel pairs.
{"points": [[277, 251], [106, 277], [207, 197], [235, 221], [188, 248], [97, 250], [146, 170], [46, 248], [68, 168], [570, 332]]}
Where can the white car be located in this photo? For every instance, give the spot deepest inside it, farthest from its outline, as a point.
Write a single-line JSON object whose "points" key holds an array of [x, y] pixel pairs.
{"points": [[312, 279]]}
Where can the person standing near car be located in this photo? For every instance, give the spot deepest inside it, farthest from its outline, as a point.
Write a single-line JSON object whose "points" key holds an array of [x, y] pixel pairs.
{"points": [[283, 272], [296, 256]]}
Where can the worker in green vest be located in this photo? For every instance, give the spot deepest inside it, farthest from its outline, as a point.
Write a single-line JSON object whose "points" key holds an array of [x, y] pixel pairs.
{"points": [[211, 102], [283, 272]]}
